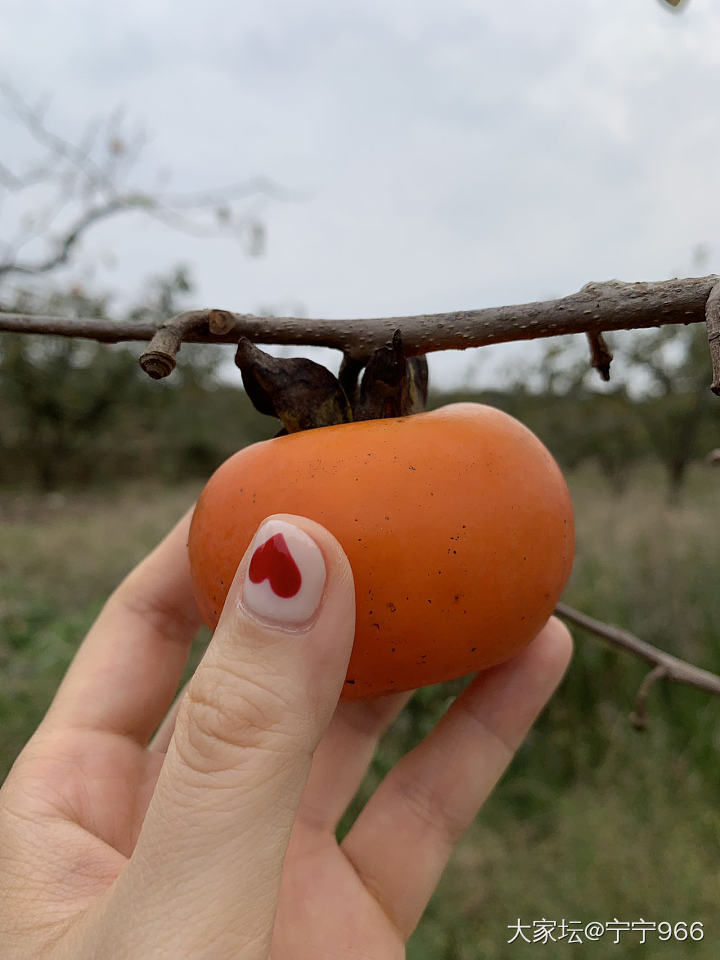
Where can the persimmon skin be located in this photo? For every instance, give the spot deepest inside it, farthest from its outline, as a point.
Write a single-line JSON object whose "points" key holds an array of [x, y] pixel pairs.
{"points": [[457, 523]]}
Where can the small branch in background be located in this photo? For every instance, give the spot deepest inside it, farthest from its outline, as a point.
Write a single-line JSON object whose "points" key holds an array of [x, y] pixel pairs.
{"points": [[712, 321], [600, 353], [665, 665], [87, 181], [74, 232], [638, 718]]}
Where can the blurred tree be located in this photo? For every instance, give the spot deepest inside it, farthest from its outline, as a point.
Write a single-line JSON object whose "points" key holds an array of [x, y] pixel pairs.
{"points": [[53, 191], [658, 403], [57, 394], [680, 409], [75, 410]]}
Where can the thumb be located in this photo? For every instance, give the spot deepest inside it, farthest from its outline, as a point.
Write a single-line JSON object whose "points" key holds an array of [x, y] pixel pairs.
{"points": [[213, 840]]}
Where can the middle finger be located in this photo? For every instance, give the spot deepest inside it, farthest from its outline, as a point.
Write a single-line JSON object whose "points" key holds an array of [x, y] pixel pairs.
{"points": [[343, 757], [403, 838]]}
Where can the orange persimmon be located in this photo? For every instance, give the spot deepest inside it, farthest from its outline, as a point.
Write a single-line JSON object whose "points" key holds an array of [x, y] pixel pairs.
{"points": [[457, 523]]}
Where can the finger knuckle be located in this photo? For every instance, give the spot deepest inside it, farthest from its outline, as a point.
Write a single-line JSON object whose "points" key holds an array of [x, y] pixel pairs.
{"points": [[225, 719], [158, 614], [487, 733], [423, 802]]}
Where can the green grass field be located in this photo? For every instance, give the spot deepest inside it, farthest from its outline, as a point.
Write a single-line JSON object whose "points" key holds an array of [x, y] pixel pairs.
{"points": [[594, 821]]}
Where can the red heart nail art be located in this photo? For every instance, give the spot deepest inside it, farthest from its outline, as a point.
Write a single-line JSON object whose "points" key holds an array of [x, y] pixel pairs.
{"points": [[273, 561]]}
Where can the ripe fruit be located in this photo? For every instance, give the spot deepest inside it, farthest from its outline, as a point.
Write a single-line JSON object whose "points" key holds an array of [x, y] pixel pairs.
{"points": [[457, 523]]}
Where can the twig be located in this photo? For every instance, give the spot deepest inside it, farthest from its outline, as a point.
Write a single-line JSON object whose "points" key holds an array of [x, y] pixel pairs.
{"points": [[600, 354], [242, 189], [598, 306], [73, 233], [86, 177], [638, 717], [58, 147], [665, 665], [712, 320]]}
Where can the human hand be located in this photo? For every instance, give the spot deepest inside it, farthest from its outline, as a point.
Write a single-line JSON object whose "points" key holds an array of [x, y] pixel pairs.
{"points": [[134, 828]]}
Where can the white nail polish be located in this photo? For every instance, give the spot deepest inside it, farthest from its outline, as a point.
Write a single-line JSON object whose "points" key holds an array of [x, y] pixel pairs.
{"points": [[285, 578]]}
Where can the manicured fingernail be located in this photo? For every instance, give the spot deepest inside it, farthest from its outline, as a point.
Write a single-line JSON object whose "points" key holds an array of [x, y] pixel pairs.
{"points": [[286, 575]]}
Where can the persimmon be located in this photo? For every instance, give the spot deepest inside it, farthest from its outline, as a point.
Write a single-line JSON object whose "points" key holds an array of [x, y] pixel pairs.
{"points": [[457, 523]]}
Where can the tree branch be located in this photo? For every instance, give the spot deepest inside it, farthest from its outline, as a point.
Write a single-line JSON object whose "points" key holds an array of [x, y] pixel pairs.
{"points": [[638, 717], [600, 355], [712, 319], [665, 665], [59, 148], [596, 307], [73, 234], [85, 179]]}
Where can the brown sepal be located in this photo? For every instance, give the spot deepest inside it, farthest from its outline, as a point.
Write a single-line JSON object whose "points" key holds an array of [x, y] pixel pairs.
{"points": [[302, 394], [392, 385]]}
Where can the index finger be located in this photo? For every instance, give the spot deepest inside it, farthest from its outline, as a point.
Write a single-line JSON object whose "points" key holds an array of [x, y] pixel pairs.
{"points": [[126, 672]]}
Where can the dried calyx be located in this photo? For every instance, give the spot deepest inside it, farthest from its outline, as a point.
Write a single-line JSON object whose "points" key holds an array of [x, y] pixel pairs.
{"points": [[303, 394]]}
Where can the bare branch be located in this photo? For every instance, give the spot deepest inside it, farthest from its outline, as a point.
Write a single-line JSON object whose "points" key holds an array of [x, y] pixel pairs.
{"points": [[712, 319], [82, 182], [255, 186], [33, 121], [600, 354], [665, 665], [12, 181], [73, 234], [602, 306], [638, 717]]}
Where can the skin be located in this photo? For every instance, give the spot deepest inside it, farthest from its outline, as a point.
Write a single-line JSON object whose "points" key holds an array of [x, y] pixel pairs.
{"points": [[135, 827]]}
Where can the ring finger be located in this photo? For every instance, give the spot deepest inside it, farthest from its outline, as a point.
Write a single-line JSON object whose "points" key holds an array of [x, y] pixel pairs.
{"points": [[402, 840], [126, 671]]}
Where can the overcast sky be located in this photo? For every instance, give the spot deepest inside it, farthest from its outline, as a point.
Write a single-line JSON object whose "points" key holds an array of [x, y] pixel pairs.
{"points": [[445, 155]]}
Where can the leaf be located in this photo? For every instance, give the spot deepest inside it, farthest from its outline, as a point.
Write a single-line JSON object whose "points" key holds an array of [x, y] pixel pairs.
{"points": [[301, 393]]}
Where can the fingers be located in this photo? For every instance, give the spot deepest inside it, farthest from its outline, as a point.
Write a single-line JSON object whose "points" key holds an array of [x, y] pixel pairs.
{"points": [[218, 825], [401, 842], [128, 668], [163, 735], [342, 758], [340, 761]]}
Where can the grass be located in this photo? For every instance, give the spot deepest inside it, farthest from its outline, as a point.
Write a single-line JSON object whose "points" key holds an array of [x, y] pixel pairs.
{"points": [[60, 558], [593, 821]]}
